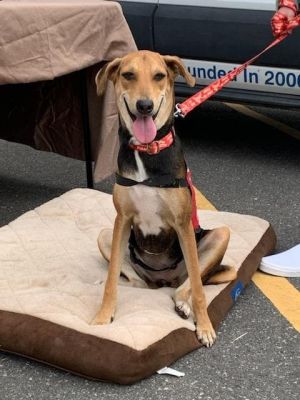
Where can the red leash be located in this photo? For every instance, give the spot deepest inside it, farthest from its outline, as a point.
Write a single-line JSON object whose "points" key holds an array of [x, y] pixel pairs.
{"points": [[195, 220], [200, 97]]}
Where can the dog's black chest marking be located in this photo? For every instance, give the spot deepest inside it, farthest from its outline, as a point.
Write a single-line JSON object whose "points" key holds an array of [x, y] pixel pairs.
{"points": [[154, 244], [169, 162]]}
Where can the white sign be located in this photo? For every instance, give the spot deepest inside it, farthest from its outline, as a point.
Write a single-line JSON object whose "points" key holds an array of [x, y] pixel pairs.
{"points": [[265, 79]]}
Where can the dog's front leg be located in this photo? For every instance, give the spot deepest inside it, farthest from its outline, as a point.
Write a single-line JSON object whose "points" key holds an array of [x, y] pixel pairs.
{"points": [[204, 329], [119, 242]]}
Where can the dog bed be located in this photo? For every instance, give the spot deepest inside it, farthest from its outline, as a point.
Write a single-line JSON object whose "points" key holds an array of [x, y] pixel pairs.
{"points": [[52, 277]]}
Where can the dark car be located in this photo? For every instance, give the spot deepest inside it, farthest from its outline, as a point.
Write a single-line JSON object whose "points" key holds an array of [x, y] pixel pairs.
{"points": [[215, 36]]}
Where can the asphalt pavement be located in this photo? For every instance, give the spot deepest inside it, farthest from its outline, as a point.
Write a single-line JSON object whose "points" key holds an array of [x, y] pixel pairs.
{"points": [[240, 165]]}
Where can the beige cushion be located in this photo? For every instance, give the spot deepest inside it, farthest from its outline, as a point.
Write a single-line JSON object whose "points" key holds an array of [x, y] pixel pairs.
{"points": [[51, 268]]}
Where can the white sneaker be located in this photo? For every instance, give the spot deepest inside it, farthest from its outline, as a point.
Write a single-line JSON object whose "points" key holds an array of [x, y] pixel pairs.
{"points": [[285, 264]]}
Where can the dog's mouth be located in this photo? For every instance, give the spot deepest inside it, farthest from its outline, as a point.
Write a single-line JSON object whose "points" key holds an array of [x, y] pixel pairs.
{"points": [[132, 116], [143, 126]]}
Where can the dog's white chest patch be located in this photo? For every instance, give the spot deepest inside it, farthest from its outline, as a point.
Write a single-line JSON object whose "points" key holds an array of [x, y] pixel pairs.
{"points": [[141, 173], [148, 206], [147, 202]]}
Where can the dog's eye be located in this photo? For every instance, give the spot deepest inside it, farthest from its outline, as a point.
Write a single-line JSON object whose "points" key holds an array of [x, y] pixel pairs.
{"points": [[129, 76], [159, 76]]}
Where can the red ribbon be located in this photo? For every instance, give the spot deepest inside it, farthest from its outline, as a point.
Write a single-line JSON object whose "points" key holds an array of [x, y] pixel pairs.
{"points": [[200, 97]]}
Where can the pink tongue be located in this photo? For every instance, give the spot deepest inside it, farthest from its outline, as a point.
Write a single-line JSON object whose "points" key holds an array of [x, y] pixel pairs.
{"points": [[144, 129]]}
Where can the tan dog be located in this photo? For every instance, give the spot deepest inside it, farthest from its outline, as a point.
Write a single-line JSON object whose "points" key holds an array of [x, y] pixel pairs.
{"points": [[151, 197]]}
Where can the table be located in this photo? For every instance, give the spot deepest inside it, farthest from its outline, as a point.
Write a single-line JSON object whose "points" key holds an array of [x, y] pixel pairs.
{"points": [[50, 52]]}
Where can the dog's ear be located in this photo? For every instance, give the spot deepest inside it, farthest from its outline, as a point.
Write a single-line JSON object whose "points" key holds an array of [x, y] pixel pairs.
{"points": [[108, 72], [176, 67]]}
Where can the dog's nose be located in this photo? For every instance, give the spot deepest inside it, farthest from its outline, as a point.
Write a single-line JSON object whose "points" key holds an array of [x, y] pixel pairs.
{"points": [[144, 107]]}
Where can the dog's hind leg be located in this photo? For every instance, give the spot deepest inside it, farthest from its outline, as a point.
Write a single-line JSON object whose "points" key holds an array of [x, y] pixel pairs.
{"points": [[119, 242], [211, 250], [226, 274], [104, 243]]}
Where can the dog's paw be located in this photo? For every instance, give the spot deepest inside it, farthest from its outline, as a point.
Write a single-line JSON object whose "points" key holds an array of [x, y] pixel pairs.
{"points": [[102, 319], [183, 309], [207, 335]]}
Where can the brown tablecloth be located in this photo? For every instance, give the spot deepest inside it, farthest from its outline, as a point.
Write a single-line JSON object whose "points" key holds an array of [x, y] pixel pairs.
{"points": [[42, 44]]}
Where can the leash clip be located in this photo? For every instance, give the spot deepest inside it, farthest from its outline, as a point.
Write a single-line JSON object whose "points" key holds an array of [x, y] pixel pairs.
{"points": [[178, 112]]}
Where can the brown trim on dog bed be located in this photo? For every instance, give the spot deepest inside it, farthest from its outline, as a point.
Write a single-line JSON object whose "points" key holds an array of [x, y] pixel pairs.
{"points": [[105, 360], [220, 306]]}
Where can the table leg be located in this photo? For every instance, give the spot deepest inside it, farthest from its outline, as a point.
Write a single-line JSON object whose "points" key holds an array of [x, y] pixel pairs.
{"points": [[86, 130]]}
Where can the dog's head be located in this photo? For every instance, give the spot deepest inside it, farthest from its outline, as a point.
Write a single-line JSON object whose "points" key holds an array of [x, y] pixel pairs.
{"points": [[144, 86]]}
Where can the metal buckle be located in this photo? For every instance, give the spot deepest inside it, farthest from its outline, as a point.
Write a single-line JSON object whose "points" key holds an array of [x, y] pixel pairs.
{"points": [[178, 112], [153, 147]]}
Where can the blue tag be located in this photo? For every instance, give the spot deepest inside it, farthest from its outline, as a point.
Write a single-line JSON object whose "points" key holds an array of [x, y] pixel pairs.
{"points": [[237, 290]]}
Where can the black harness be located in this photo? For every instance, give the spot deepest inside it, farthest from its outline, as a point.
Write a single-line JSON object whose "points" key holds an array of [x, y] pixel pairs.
{"points": [[161, 181]]}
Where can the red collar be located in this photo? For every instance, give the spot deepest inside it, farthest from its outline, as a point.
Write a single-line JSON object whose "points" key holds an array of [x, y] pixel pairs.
{"points": [[156, 146]]}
